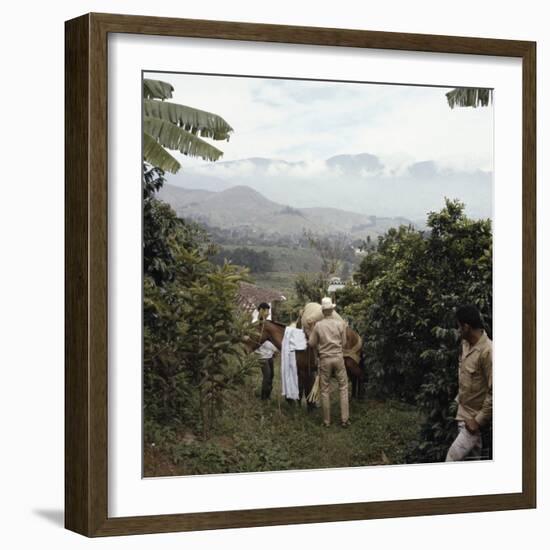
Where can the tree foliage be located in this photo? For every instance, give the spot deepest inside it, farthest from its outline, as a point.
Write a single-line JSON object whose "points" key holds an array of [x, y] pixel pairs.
{"points": [[409, 288], [332, 251], [310, 287], [193, 332], [256, 262]]}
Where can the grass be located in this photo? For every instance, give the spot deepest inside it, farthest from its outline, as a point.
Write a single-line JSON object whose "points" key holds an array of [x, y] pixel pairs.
{"points": [[257, 436]]}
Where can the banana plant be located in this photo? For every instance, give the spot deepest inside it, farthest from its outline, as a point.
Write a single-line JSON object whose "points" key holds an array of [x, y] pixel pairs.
{"points": [[170, 126], [469, 97]]}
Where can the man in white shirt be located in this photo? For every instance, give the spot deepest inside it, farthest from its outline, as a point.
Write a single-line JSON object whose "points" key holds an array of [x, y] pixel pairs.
{"points": [[266, 352]]}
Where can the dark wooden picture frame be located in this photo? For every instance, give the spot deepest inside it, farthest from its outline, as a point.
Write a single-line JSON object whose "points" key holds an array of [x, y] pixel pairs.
{"points": [[86, 283]]}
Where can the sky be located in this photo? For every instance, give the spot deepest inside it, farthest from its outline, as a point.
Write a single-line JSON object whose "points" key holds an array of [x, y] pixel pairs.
{"points": [[421, 151], [311, 121]]}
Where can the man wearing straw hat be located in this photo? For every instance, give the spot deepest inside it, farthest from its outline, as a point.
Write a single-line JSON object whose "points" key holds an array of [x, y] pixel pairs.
{"points": [[328, 337]]}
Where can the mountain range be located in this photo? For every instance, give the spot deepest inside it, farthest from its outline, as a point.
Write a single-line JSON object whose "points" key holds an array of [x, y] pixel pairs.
{"points": [[241, 207], [361, 183]]}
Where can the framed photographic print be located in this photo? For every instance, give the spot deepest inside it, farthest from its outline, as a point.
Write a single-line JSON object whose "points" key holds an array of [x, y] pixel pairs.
{"points": [[300, 275]]}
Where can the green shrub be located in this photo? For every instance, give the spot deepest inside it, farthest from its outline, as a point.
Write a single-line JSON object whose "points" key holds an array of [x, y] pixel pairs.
{"points": [[409, 288], [192, 328]]}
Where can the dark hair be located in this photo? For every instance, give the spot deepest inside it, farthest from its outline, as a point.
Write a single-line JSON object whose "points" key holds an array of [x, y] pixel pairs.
{"points": [[263, 305], [469, 315]]}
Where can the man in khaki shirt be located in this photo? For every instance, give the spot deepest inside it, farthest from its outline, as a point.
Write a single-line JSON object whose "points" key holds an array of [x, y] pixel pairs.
{"points": [[329, 338], [475, 385]]}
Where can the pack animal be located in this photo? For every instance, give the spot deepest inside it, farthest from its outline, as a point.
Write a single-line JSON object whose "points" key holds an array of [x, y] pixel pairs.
{"points": [[305, 359]]}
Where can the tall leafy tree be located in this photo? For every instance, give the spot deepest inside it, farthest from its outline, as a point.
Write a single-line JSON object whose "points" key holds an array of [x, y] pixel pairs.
{"points": [[409, 288]]}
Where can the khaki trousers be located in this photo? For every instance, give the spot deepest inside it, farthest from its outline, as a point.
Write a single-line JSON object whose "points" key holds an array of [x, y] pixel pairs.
{"points": [[328, 366]]}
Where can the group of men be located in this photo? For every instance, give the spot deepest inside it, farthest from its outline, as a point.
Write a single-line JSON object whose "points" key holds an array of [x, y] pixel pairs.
{"points": [[475, 374], [328, 338]]}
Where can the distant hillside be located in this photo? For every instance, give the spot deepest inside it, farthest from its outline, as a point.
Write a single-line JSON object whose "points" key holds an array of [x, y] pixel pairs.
{"points": [[243, 207], [180, 198], [360, 182]]}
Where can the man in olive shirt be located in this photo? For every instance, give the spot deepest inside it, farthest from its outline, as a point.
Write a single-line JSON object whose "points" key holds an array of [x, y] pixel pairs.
{"points": [[329, 338], [475, 385]]}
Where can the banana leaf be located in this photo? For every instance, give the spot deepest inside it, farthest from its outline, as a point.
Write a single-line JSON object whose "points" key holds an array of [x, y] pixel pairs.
{"points": [[175, 138], [157, 89], [469, 97], [194, 121], [156, 155]]}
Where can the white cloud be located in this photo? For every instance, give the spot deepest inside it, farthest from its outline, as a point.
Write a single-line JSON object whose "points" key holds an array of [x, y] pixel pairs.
{"points": [[312, 121]]}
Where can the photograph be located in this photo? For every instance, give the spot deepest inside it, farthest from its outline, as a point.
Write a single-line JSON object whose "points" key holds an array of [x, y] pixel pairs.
{"points": [[317, 274]]}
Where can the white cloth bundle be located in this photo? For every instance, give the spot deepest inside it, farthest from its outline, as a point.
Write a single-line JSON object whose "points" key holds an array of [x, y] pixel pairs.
{"points": [[293, 339], [296, 338]]}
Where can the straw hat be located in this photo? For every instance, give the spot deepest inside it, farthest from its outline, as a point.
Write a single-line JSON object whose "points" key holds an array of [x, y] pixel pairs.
{"points": [[326, 303]]}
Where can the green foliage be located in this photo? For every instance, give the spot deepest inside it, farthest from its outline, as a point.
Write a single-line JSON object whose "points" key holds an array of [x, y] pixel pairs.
{"points": [[258, 453], [310, 287], [193, 354], [436, 399], [195, 121], [286, 311], [331, 250], [193, 333], [171, 136], [469, 97], [346, 297], [275, 436], [177, 127], [157, 89], [410, 287], [256, 262], [156, 155]]}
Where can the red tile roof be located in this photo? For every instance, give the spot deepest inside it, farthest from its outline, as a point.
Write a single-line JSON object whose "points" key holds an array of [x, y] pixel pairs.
{"points": [[250, 296]]}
